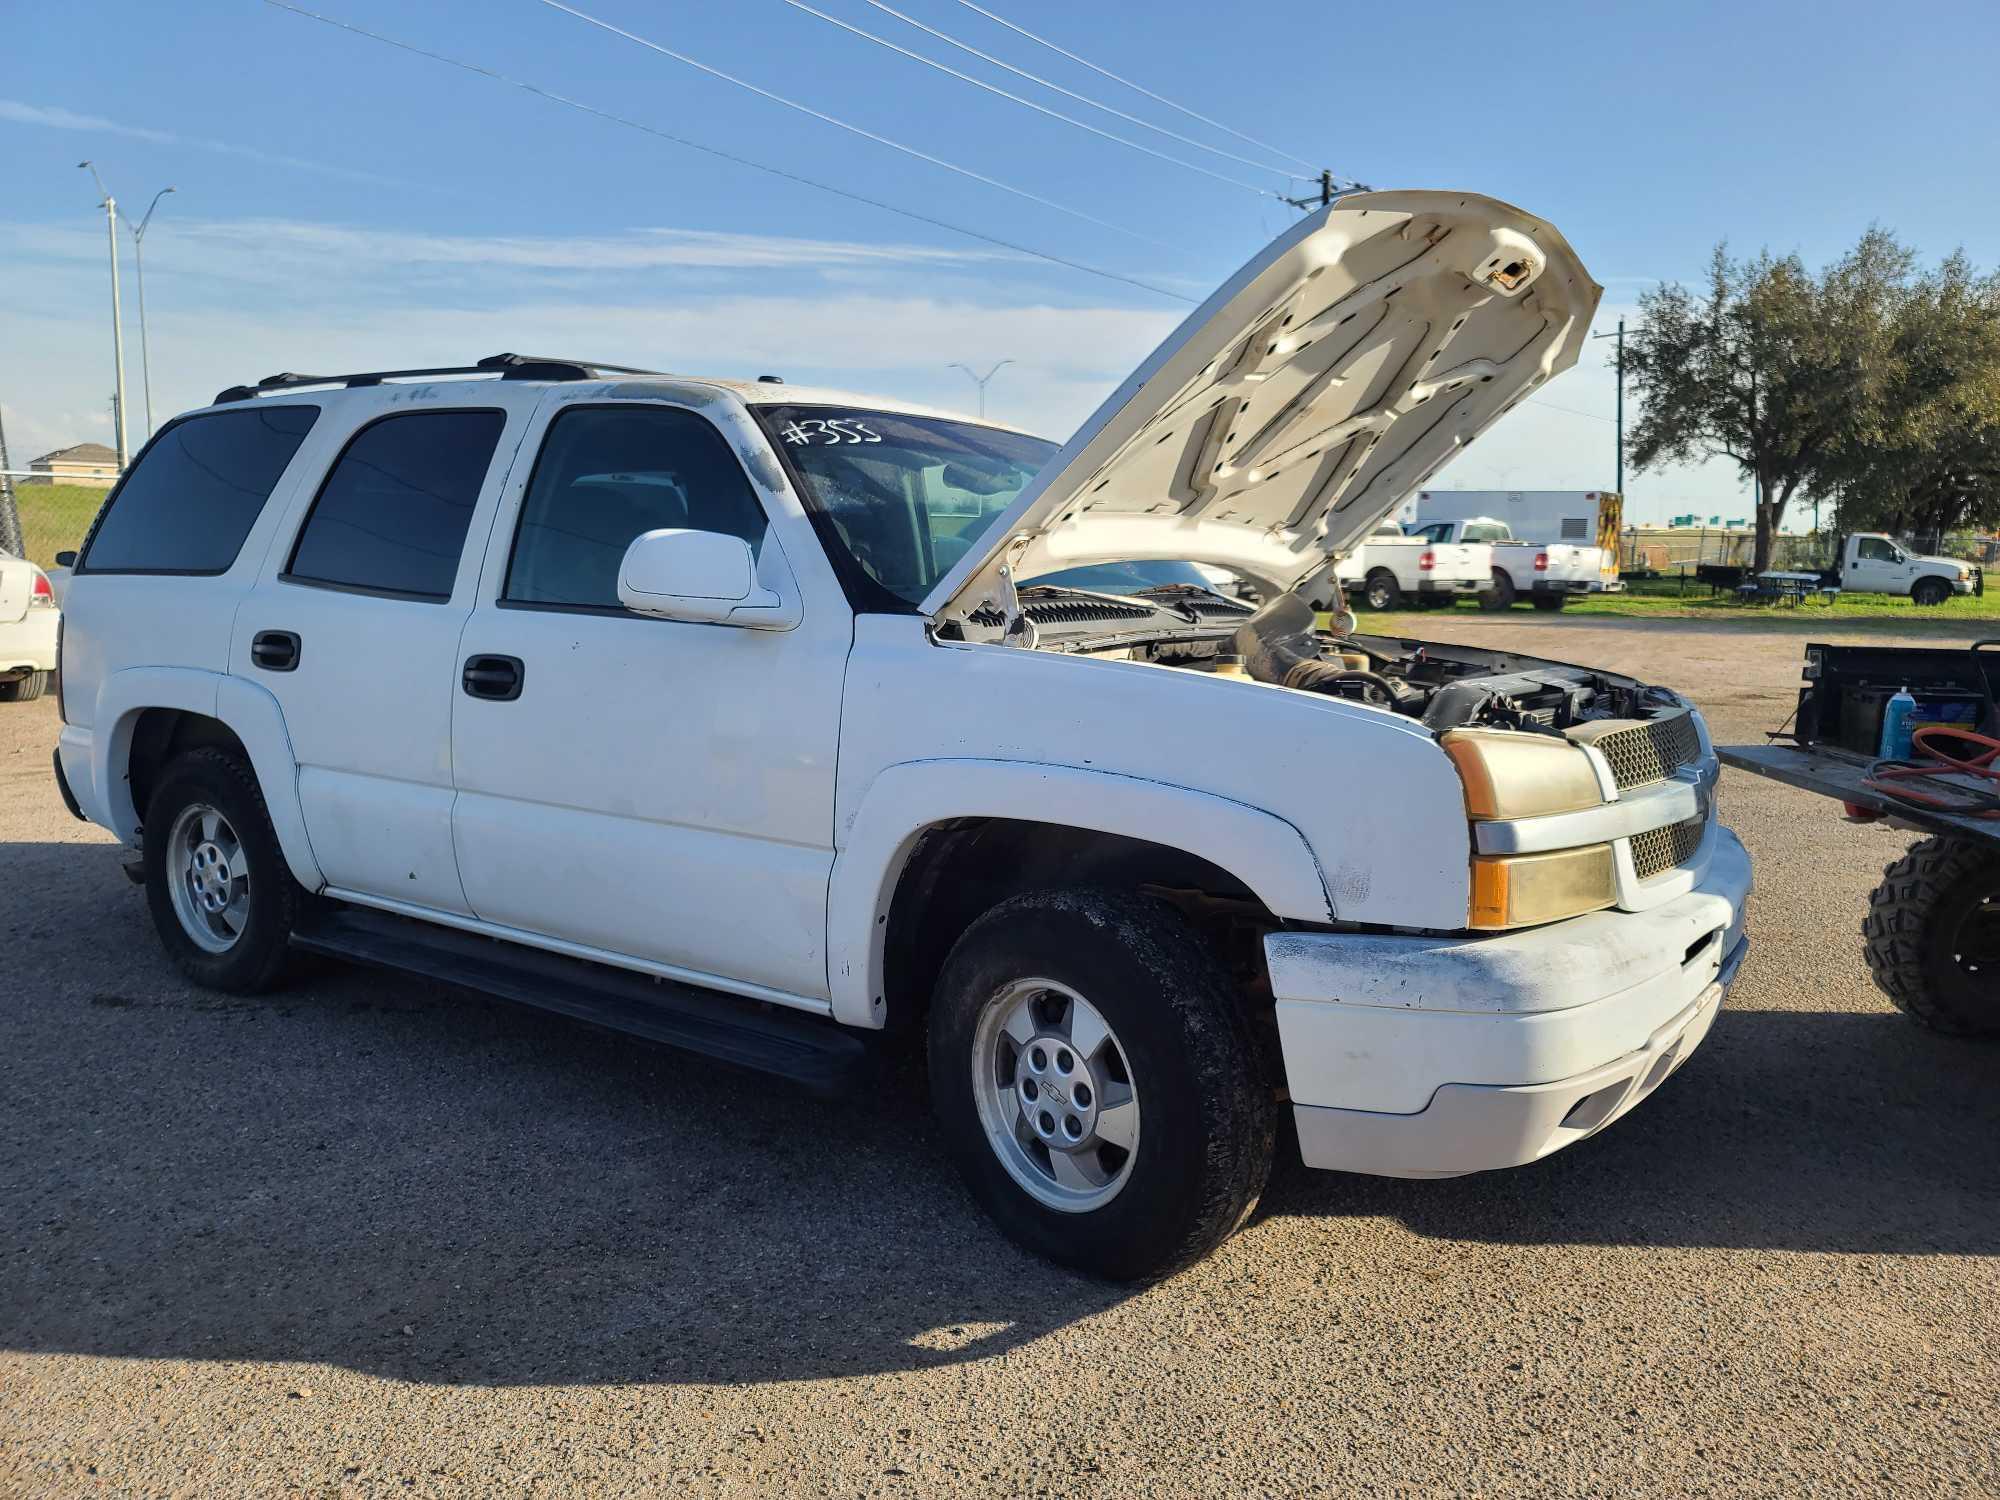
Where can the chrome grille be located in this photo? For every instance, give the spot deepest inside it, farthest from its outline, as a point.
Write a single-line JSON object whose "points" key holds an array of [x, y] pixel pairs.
{"points": [[1652, 751], [1661, 849]]}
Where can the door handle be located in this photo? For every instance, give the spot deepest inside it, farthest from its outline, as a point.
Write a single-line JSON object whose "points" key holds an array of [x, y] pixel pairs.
{"points": [[275, 650], [497, 678]]}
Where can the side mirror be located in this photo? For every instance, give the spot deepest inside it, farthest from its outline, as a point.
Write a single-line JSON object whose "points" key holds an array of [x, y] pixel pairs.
{"points": [[65, 559], [704, 577]]}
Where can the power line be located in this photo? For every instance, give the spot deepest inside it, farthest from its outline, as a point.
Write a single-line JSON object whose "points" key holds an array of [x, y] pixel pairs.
{"points": [[1138, 88], [1186, 140], [1567, 410], [979, 83], [880, 140], [728, 156]]}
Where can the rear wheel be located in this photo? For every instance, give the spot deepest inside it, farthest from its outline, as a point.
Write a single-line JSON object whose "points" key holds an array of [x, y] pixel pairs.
{"points": [[1932, 936], [222, 898], [1500, 595], [1550, 602], [24, 689], [1381, 590], [1930, 592], [1095, 1076]]}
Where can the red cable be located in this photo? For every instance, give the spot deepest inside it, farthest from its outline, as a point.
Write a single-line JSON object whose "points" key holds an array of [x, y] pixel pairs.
{"points": [[1969, 802]]}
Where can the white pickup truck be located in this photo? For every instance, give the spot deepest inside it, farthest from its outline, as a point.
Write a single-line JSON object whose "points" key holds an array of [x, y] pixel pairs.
{"points": [[1544, 573], [1871, 563], [748, 718], [1390, 568], [29, 622]]}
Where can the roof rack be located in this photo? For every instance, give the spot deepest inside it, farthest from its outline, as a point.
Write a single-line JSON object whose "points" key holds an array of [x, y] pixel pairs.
{"points": [[506, 366]]}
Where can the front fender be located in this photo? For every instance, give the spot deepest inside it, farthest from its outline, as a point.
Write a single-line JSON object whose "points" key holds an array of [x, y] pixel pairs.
{"points": [[1266, 853]]}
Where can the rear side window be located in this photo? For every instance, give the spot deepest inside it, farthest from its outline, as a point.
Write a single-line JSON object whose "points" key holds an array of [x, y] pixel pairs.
{"points": [[391, 517], [608, 474], [196, 491]]}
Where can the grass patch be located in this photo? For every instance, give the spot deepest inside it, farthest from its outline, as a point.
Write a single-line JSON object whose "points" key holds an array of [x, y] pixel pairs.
{"points": [[54, 517]]}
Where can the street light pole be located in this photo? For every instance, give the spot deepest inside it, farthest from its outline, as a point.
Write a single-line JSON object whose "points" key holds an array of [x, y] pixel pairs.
{"points": [[117, 317], [979, 380], [1620, 336], [139, 270]]}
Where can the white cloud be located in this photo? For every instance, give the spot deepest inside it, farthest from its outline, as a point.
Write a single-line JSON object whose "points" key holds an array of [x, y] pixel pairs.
{"points": [[55, 117]]}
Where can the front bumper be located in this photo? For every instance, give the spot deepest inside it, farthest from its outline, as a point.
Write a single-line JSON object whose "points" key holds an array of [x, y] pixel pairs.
{"points": [[1432, 1057]]}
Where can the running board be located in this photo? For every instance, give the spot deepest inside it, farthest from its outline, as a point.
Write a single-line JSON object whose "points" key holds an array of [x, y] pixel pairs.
{"points": [[819, 1055]]}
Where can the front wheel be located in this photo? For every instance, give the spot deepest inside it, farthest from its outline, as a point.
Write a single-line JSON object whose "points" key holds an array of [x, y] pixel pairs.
{"points": [[1933, 936], [1550, 602], [1096, 1080], [1929, 593], [223, 900]]}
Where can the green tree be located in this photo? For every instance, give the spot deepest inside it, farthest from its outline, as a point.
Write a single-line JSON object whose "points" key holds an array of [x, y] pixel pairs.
{"points": [[1769, 368], [1928, 460]]}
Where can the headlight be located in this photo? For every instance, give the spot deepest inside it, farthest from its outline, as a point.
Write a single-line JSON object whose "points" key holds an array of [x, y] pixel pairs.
{"points": [[1512, 775], [1965, 575], [1523, 889]]}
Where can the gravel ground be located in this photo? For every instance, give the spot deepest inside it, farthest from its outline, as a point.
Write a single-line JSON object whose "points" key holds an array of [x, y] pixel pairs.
{"points": [[370, 1236]]}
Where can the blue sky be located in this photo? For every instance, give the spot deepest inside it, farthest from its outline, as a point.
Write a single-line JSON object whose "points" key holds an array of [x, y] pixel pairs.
{"points": [[343, 205]]}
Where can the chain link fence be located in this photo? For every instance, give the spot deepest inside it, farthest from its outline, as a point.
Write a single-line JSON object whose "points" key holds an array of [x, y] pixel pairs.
{"points": [[45, 519]]}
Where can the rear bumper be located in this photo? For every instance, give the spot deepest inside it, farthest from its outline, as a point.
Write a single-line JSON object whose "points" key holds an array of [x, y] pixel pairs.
{"points": [[29, 643], [1451, 585], [1429, 1057], [62, 786], [1560, 586]]}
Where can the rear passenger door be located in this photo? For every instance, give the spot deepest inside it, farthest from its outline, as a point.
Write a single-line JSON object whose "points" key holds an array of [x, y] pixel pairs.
{"points": [[354, 627]]}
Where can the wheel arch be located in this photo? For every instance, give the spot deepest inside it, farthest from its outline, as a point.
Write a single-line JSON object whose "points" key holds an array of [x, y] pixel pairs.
{"points": [[932, 841], [156, 714]]}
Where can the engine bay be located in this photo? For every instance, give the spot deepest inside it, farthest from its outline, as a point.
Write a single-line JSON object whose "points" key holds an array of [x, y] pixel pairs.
{"points": [[1444, 687]]}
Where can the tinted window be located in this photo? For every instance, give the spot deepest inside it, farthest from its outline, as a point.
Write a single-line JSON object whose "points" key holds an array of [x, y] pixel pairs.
{"points": [[1874, 549], [607, 474], [196, 491], [391, 517]]}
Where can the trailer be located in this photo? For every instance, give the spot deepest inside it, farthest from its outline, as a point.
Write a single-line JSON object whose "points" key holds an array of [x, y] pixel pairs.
{"points": [[1931, 934]]}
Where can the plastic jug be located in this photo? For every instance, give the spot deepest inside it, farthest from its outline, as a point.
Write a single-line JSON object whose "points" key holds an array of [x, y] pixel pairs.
{"points": [[1898, 724]]}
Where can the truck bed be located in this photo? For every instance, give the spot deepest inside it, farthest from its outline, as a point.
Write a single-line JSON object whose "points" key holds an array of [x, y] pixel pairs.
{"points": [[1842, 774]]}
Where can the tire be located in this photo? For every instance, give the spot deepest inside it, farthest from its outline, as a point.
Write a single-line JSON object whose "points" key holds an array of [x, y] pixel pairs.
{"points": [[1932, 936], [1179, 1040], [1929, 593], [1500, 595], [24, 689], [1380, 590], [246, 940], [1550, 603]]}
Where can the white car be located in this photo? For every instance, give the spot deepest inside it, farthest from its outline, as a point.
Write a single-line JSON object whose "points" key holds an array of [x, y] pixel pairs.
{"points": [[1390, 569], [1547, 574], [29, 622], [746, 717]]}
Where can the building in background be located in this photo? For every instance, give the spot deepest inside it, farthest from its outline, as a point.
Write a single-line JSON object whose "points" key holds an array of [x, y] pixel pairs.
{"points": [[90, 464]]}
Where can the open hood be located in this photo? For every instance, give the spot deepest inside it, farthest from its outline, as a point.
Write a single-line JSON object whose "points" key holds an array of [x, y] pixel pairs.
{"points": [[1298, 405]]}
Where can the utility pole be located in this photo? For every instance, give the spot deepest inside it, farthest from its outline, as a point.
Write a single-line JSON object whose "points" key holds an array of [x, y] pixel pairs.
{"points": [[1325, 193], [139, 269], [979, 380], [117, 318], [1620, 336]]}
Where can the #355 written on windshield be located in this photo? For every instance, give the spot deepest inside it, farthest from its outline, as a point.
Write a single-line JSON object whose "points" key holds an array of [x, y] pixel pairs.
{"points": [[808, 431]]}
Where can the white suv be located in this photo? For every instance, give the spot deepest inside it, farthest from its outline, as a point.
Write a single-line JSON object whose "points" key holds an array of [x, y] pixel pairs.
{"points": [[736, 714]]}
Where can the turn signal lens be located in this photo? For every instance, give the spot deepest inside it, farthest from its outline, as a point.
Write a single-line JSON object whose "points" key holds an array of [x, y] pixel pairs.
{"points": [[1524, 889], [1513, 775]]}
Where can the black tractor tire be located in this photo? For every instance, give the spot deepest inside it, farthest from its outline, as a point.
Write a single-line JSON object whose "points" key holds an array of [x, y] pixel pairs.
{"points": [[255, 959], [1929, 593], [1184, 1033], [1932, 936], [24, 689], [1500, 595], [1380, 591], [1550, 603]]}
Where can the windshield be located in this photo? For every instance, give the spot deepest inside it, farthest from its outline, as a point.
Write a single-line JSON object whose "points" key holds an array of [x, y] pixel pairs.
{"points": [[901, 499], [1126, 577]]}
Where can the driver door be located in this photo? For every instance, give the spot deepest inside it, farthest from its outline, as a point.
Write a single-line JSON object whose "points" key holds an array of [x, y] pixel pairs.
{"points": [[653, 791], [1880, 566]]}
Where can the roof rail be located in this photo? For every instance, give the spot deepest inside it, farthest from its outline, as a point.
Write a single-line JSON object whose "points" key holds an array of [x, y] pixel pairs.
{"points": [[506, 366]]}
